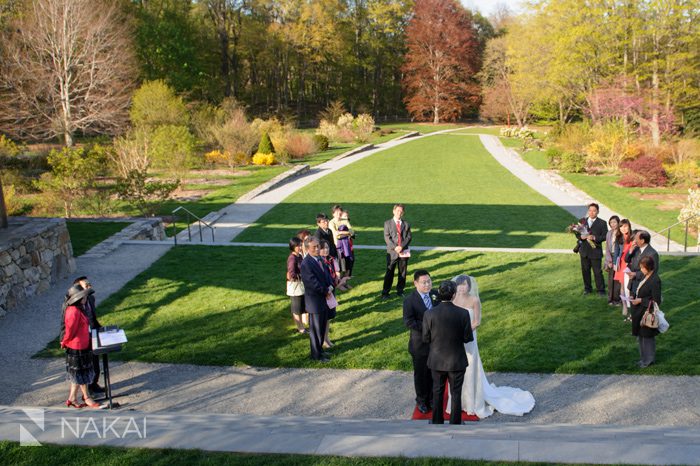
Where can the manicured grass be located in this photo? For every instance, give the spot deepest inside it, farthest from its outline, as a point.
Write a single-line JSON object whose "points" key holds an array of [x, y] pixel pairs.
{"points": [[423, 128], [85, 235], [647, 212], [536, 159], [456, 194], [227, 307], [12, 453]]}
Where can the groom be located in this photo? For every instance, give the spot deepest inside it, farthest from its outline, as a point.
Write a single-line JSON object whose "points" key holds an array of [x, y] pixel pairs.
{"points": [[446, 328], [415, 306]]}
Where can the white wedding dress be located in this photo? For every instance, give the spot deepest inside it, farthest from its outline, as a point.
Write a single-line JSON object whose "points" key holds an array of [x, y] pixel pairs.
{"points": [[481, 397]]}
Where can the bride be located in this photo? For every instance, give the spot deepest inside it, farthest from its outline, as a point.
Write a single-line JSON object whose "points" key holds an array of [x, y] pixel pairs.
{"points": [[479, 397]]}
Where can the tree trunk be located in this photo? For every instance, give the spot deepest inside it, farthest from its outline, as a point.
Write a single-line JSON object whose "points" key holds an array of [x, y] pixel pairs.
{"points": [[3, 208]]}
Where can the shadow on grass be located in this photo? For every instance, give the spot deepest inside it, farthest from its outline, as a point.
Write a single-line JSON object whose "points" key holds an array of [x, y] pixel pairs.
{"points": [[226, 306]]}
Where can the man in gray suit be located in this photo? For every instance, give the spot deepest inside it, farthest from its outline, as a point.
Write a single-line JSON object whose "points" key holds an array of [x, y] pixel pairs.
{"points": [[397, 236]]}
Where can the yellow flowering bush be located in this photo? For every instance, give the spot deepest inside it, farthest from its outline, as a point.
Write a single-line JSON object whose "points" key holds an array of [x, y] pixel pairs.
{"points": [[263, 159]]}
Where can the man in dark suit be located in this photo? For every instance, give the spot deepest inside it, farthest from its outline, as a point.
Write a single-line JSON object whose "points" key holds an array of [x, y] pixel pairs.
{"points": [[592, 257], [318, 285], [446, 328], [642, 249], [397, 236], [414, 307]]}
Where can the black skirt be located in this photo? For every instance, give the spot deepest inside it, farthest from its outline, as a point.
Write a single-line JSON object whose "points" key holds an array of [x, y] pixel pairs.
{"points": [[79, 366], [298, 305]]}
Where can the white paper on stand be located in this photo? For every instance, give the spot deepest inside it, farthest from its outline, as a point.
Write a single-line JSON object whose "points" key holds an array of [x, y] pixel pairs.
{"points": [[112, 338]]}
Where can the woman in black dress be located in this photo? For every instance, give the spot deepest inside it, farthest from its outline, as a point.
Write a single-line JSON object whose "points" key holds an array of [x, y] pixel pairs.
{"points": [[648, 292]]}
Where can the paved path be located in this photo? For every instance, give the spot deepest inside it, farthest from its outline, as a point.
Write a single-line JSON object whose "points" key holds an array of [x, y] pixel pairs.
{"points": [[341, 437], [558, 190]]}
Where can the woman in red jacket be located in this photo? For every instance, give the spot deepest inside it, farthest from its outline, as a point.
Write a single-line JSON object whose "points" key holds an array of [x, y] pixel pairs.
{"points": [[76, 341]]}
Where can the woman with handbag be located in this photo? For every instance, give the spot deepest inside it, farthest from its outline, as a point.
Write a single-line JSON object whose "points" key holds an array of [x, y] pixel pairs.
{"points": [[645, 321], [295, 287]]}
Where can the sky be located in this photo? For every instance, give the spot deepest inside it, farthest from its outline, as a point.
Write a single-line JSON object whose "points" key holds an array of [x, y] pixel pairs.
{"points": [[486, 7]]}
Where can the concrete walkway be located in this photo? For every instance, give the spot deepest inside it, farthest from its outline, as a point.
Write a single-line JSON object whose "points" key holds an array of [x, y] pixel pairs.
{"points": [[562, 193], [342, 437]]}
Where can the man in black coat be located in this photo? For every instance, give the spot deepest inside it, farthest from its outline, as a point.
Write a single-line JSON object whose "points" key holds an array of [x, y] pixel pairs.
{"points": [[642, 249], [415, 305], [318, 285], [592, 257], [446, 328], [323, 233], [397, 236]]}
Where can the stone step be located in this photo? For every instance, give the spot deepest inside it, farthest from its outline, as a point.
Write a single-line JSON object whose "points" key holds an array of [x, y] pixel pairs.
{"points": [[352, 437]]}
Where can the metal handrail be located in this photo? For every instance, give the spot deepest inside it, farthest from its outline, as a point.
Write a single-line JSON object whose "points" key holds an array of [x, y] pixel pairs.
{"points": [[191, 215], [668, 232]]}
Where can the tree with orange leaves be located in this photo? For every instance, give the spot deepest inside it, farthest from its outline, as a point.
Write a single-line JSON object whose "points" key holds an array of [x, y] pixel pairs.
{"points": [[442, 59]]}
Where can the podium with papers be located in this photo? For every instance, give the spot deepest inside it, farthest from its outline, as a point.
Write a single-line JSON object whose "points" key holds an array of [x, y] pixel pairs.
{"points": [[107, 340]]}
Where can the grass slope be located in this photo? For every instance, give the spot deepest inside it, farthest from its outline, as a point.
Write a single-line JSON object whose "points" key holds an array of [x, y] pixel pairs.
{"points": [[85, 235], [227, 307], [456, 195]]}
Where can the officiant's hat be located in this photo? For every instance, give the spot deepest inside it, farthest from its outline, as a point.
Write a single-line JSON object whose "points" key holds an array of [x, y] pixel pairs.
{"points": [[76, 293]]}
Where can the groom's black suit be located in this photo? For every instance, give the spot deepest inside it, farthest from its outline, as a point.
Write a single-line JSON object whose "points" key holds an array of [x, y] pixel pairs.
{"points": [[413, 311], [591, 257], [317, 280], [447, 328]]}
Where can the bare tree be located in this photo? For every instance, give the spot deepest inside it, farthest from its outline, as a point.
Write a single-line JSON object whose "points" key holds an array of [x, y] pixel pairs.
{"points": [[68, 66]]}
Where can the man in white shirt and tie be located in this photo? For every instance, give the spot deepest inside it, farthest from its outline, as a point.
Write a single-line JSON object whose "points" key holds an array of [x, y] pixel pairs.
{"points": [[415, 306], [397, 236]]}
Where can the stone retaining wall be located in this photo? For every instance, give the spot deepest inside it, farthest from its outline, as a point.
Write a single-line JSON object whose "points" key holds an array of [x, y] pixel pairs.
{"points": [[149, 229], [34, 254]]}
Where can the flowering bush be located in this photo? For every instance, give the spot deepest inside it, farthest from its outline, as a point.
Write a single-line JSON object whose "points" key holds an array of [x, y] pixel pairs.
{"points": [[345, 121], [521, 133], [217, 157], [8, 147], [263, 159], [363, 126], [329, 130], [646, 171], [692, 209], [13, 204], [685, 173], [300, 145]]}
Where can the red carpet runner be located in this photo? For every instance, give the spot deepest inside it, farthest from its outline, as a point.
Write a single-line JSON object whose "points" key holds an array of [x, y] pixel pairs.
{"points": [[417, 415]]}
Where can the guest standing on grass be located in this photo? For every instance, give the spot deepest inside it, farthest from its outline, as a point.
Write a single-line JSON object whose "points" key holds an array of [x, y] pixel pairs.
{"points": [[346, 242], [416, 304], [591, 250], [302, 235], [624, 241], [446, 328], [318, 291], [641, 249], [610, 245], [337, 282], [323, 233], [295, 287], [76, 341], [647, 293], [397, 236]]}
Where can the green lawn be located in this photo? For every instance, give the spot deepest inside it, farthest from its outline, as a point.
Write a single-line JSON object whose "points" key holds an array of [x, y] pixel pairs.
{"points": [[536, 159], [648, 211], [227, 307], [85, 235], [13, 454], [455, 193]]}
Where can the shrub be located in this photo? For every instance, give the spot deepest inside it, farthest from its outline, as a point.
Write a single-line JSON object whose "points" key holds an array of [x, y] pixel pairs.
{"points": [[686, 149], [572, 162], [99, 201], [346, 121], [691, 209], [646, 171], [345, 135], [143, 194], [575, 138], [363, 126], [155, 104], [608, 148], [328, 130], [8, 148], [173, 148], [321, 142], [72, 174], [263, 159], [131, 152], [217, 157], [265, 146], [333, 111], [236, 137], [300, 145], [686, 173], [553, 157], [13, 203]]}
